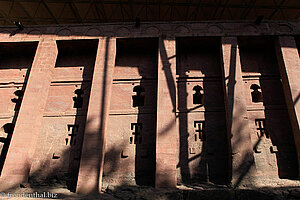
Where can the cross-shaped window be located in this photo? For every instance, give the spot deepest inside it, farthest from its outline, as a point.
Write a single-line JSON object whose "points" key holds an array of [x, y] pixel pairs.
{"points": [[200, 129], [137, 134]]}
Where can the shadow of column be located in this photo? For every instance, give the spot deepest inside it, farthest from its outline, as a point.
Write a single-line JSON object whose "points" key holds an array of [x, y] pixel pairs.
{"points": [[196, 65], [135, 157], [25, 53]]}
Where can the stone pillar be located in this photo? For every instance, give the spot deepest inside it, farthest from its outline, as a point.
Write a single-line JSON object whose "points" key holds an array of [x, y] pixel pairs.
{"points": [[92, 156], [28, 124], [167, 133], [289, 67], [238, 128]]}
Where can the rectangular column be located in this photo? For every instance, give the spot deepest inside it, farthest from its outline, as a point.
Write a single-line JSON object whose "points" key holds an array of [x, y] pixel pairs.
{"points": [[238, 128], [28, 124], [289, 67], [167, 133], [92, 156]]}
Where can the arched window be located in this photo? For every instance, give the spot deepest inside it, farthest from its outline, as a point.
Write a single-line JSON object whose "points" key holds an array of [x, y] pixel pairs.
{"points": [[5, 131], [139, 98], [198, 97], [78, 100], [18, 101], [256, 94]]}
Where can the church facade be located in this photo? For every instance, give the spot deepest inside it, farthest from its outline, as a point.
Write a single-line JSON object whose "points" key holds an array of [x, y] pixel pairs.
{"points": [[158, 104]]}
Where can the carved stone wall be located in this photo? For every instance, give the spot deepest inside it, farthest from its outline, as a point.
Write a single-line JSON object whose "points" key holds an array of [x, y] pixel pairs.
{"points": [[175, 29], [15, 64], [202, 126], [130, 154], [199, 136], [60, 140], [271, 132]]}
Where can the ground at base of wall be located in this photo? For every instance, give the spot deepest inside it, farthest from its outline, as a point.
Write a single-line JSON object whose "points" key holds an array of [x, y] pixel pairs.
{"points": [[203, 192]]}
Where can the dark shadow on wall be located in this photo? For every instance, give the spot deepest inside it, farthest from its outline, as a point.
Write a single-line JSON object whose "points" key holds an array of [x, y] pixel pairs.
{"points": [[259, 57], [15, 57], [6, 133], [279, 129], [183, 141], [85, 55], [215, 146], [80, 54], [52, 178], [297, 99], [139, 58], [196, 56], [145, 158], [297, 40]]}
